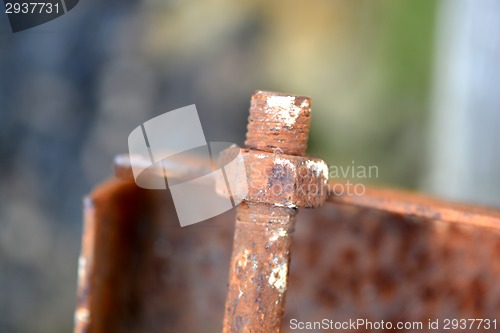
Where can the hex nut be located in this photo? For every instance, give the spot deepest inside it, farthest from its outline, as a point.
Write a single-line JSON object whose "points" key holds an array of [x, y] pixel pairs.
{"points": [[278, 179]]}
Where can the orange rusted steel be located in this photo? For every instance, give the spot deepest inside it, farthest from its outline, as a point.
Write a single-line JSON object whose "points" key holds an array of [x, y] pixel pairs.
{"points": [[278, 179], [259, 267], [144, 273], [381, 198], [106, 265], [136, 268], [147, 274], [258, 272], [418, 205], [123, 285]]}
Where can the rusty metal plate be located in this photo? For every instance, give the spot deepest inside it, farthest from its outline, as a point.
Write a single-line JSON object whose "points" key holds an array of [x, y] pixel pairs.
{"points": [[142, 272]]}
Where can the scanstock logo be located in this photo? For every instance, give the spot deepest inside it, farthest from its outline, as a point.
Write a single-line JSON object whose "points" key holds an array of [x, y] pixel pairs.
{"points": [[26, 14], [174, 144]]}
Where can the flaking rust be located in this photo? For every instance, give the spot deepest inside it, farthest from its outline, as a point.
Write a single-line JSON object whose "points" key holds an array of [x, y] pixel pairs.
{"points": [[259, 268], [278, 122], [370, 257], [330, 272], [279, 179]]}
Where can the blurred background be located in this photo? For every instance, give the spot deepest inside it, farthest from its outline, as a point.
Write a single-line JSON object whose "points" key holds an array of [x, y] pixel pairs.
{"points": [[411, 87]]}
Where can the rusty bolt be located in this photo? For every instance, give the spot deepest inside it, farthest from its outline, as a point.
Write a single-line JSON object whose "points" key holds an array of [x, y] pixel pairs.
{"points": [[258, 279]]}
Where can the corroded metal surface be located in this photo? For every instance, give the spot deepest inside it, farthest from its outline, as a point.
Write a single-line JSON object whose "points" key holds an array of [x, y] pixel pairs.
{"points": [[385, 199], [141, 272], [183, 166], [150, 275], [422, 259], [418, 205], [351, 262], [278, 124], [259, 268], [86, 269], [278, 179]]}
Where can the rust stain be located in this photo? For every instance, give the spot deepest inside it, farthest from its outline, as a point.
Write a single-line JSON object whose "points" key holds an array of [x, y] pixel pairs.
{"points": [[348, 262], [259, 268], [278, 122], [277, 179]]}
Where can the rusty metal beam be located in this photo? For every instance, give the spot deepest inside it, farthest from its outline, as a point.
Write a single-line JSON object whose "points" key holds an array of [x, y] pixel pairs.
{"points": [[328, 271], [381, 198], [418, 205]]}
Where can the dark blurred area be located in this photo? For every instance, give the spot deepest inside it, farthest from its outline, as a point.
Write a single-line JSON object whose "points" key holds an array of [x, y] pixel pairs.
{"points": [[408, 86]]}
